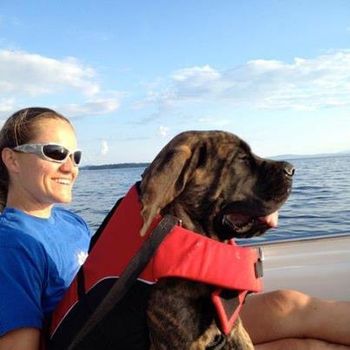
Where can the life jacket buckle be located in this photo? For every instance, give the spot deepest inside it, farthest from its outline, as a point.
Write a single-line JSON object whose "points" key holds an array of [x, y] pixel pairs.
{"points": [[259, 268]]}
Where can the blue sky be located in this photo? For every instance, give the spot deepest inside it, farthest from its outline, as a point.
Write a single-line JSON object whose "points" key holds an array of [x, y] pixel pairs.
{"points": [[132, 74]]}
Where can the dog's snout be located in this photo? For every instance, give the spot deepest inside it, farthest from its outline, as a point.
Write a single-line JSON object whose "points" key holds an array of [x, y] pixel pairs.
{"points": [[289, 169]]}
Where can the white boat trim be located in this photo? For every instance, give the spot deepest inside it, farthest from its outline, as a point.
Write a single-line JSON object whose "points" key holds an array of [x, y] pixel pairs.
{"points": [[318, 265], [292, 239]]}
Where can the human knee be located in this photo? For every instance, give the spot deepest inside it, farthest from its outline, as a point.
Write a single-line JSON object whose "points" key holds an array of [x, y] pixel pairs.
{"points": [[287, 301], [299, 344]]}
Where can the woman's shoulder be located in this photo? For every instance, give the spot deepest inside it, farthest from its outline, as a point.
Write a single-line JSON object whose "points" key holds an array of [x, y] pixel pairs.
{"points": [[65, 213], [61, 213], [14, 239]]}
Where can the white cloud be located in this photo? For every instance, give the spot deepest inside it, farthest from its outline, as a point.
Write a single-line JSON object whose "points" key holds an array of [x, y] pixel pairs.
{"points": [[26, 76], [194, 82], [212, 121], [196, 74], [33, 74], [304, 84], [104, 147], [163, 131], [97, 106], [6, 105]]}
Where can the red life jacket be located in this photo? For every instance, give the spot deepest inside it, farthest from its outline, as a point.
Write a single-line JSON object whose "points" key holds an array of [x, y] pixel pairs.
{"points": [[182, 253]]}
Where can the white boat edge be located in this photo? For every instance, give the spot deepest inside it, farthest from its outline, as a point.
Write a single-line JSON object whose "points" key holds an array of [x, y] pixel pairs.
{"points": [[318, 265]]}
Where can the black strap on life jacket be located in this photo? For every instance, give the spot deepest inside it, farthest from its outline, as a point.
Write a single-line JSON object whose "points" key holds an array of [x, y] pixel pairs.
{"points": [[127, 277]]}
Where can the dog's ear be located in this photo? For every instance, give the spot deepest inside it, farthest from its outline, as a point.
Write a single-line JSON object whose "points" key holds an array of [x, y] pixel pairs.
{"points": [[167, 176]]}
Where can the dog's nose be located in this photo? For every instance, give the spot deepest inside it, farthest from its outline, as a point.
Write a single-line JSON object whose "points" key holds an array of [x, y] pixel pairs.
{"points": [[289, 169]]}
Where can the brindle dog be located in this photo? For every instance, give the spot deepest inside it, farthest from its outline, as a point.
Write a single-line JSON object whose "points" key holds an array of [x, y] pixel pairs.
{"points": [[217, 187], [213, 182]]}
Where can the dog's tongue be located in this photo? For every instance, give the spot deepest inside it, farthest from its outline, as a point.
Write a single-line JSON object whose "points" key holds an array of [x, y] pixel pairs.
{"points": [[270, 220]]}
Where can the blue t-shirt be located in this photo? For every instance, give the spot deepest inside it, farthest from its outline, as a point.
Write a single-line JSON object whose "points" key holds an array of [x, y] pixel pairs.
{"points": [[38, 260]]}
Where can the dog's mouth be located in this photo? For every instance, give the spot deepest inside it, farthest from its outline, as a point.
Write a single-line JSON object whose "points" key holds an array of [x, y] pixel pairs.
{"points": [[244, 226]]}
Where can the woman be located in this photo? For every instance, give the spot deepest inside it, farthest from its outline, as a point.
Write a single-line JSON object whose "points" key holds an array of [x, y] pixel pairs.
{"points": [[41, 246]]}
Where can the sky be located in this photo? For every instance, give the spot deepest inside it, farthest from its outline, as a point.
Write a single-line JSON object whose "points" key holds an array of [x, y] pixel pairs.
{"points": [[132, 74]]}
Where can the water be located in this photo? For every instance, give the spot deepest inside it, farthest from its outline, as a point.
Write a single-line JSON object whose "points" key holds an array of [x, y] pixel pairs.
{"points": [[319, 203]]}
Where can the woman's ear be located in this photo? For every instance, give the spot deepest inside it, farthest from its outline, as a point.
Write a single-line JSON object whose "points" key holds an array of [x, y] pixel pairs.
{"points": [[10, 159]]}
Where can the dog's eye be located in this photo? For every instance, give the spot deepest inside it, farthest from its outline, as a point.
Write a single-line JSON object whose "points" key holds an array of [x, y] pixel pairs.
{"points": [[244, 158]]}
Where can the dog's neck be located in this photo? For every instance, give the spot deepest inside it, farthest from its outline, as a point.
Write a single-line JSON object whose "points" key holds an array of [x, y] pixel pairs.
{"points": [[187, 220]]}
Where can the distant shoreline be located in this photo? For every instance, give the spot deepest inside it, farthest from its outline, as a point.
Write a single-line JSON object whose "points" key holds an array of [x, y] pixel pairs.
{"points": [[115, 166], [308, 156], [144, 165]]}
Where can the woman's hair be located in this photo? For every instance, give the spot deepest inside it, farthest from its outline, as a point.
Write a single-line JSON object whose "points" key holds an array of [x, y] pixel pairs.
{"points": [[18, 129]]}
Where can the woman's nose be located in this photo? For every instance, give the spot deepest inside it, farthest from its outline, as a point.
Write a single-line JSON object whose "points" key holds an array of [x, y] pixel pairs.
{"points": [[68, 164]]}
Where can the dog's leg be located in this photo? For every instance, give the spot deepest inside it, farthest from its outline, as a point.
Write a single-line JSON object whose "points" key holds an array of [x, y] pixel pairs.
{"points": [[207, 339], [240, 337], [213, 339]]}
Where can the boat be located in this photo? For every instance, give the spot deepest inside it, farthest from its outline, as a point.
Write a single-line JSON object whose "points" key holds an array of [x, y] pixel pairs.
{"points": [[318, 265]]}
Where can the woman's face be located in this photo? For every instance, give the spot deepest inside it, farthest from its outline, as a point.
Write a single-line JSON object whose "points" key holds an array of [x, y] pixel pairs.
{"points": [[43, 182]]}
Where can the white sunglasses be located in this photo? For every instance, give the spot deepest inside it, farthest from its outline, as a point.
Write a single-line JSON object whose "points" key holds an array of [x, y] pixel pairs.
{"points": [[51, 152]]}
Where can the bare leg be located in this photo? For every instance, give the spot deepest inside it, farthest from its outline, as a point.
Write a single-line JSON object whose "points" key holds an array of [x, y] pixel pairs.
{"points": [[300, 344], [285, 314]]}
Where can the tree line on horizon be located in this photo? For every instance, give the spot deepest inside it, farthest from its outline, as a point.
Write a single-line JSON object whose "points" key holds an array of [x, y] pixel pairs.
{"points": [[114, 166]]}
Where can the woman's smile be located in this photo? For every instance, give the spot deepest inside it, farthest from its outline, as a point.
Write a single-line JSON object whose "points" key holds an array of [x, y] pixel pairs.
{"points": [[63, 181]]}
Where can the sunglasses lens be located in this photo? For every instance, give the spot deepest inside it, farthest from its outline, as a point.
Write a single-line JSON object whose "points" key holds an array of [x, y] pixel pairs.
{"points": [[60, 153], [77, 157], [55, 152]]}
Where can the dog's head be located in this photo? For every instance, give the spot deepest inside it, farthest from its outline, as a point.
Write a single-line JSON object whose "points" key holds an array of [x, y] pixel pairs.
{"points": [[213, 182]]}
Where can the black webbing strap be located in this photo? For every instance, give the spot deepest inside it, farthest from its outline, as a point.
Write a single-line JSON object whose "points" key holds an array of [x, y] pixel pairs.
{"points": [[81, 283], [127, 277]]}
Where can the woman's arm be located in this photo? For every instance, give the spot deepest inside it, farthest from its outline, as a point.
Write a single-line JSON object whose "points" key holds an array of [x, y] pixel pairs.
{"points": [[23, 338]]}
